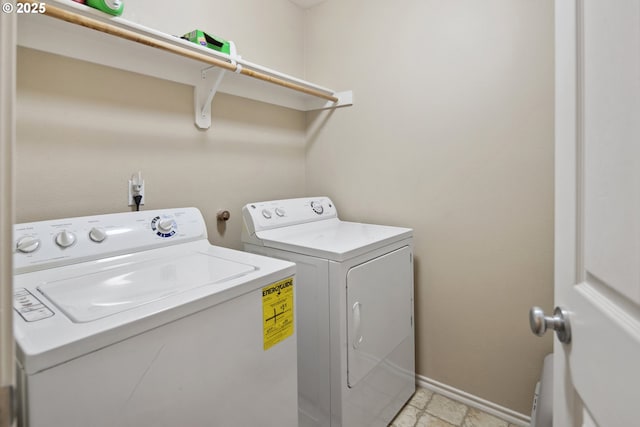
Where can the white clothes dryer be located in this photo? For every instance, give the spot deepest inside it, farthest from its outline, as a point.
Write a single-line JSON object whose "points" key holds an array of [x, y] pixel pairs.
{"points": [[135, 319], [356, 363]]}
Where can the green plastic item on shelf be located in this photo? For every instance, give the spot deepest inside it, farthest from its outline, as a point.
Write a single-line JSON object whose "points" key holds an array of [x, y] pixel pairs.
{"points": [[212, 42], [113, 7]]}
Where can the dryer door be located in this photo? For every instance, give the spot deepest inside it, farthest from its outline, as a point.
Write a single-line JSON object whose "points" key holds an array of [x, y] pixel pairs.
{"points": [[379, 310]]}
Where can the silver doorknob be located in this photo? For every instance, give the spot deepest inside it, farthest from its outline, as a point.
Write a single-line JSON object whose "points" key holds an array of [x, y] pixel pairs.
{"points": [[559, 322]]}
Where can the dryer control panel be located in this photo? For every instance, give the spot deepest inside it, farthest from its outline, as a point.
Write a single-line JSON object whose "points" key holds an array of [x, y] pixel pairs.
{"points": [[284, 213]]}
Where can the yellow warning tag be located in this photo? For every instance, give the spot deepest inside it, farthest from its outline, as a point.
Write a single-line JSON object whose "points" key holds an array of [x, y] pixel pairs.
{"points": [[277, 312]]}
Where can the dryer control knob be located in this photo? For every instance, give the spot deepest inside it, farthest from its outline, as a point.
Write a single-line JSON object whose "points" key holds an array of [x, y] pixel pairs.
{"points": [[65, 238], [280, 212], [28, 244], [266, 213], [97, 235], [317, 207]]}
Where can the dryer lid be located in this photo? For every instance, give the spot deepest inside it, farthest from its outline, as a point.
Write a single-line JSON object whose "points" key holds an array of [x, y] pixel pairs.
{"points": [[332, 239], [99, 294]]}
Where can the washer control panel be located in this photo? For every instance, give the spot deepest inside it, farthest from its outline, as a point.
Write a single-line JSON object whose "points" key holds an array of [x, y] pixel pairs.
{"points": [[48, 244], [30, 308], [283, 213]]}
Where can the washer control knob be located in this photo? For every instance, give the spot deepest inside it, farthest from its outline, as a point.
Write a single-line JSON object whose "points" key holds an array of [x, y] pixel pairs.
{"points": [[280, 212], [165, 225], [266, 213], [28, 244], [97, 234], [65, 238], [317, 207]]}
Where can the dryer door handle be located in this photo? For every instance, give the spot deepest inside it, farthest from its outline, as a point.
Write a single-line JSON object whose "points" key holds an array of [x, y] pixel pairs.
{"points": [[357, 325]]}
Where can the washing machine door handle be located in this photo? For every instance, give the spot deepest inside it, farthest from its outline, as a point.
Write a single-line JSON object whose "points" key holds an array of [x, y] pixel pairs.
{"points": [[357, 325]]}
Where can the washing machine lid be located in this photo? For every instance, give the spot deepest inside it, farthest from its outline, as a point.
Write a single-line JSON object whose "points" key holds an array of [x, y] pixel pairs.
{"points": [[97, 294], [332, 239]]}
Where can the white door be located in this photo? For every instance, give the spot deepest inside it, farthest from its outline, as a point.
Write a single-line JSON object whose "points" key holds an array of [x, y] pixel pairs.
{"points": [[597, 276], [7, 137]]}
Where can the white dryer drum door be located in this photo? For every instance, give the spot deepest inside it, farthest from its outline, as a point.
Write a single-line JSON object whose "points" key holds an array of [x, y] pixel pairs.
{"points": [[379, 310]]}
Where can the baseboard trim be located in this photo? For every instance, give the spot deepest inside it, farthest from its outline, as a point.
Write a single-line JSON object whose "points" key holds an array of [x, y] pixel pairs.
{"points": [[474, 401]]}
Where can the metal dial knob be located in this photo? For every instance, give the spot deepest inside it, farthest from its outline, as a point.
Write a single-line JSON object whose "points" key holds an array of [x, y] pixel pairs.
{"points": [[559, 322], [28, 244], [97, 234], [65, 238], [165, 225]]}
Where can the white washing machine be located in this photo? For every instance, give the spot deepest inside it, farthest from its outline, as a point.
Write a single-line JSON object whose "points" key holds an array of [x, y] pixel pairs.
{"points": [[356, 363], [134, 319]]}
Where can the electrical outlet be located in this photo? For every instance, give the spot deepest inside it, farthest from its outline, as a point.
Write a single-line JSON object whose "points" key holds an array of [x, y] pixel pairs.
{"points": [[136, 188], [132, 193]]}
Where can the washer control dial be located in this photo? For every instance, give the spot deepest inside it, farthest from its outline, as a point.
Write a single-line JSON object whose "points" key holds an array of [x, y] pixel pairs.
{"points": [[163, 227], [97, 234], [65, 238], [280, 212], [317, 207], [166, 226], [28, 244], [266, 213]]}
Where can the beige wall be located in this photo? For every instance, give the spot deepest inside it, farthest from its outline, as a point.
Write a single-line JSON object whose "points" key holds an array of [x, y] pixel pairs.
{"points": [[451, 134], [83, 129]]}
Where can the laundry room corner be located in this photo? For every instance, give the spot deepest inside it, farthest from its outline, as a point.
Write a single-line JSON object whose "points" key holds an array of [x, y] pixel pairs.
{"points": [[452, 135], [450, 138]]}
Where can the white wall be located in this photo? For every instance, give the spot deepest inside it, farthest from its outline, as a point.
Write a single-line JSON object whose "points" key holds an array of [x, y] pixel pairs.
{"points": [[83, 129], [451, 134]]}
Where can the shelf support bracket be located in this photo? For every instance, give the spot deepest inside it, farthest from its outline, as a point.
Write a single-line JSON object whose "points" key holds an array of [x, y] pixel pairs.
{"points": [[203, 94]]}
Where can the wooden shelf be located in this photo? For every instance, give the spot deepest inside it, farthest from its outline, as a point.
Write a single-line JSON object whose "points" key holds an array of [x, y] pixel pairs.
{"points": [[132, 47]]}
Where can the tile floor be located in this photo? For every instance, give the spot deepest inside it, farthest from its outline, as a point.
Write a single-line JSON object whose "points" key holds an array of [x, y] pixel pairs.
{"points": [[429, 409]]}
